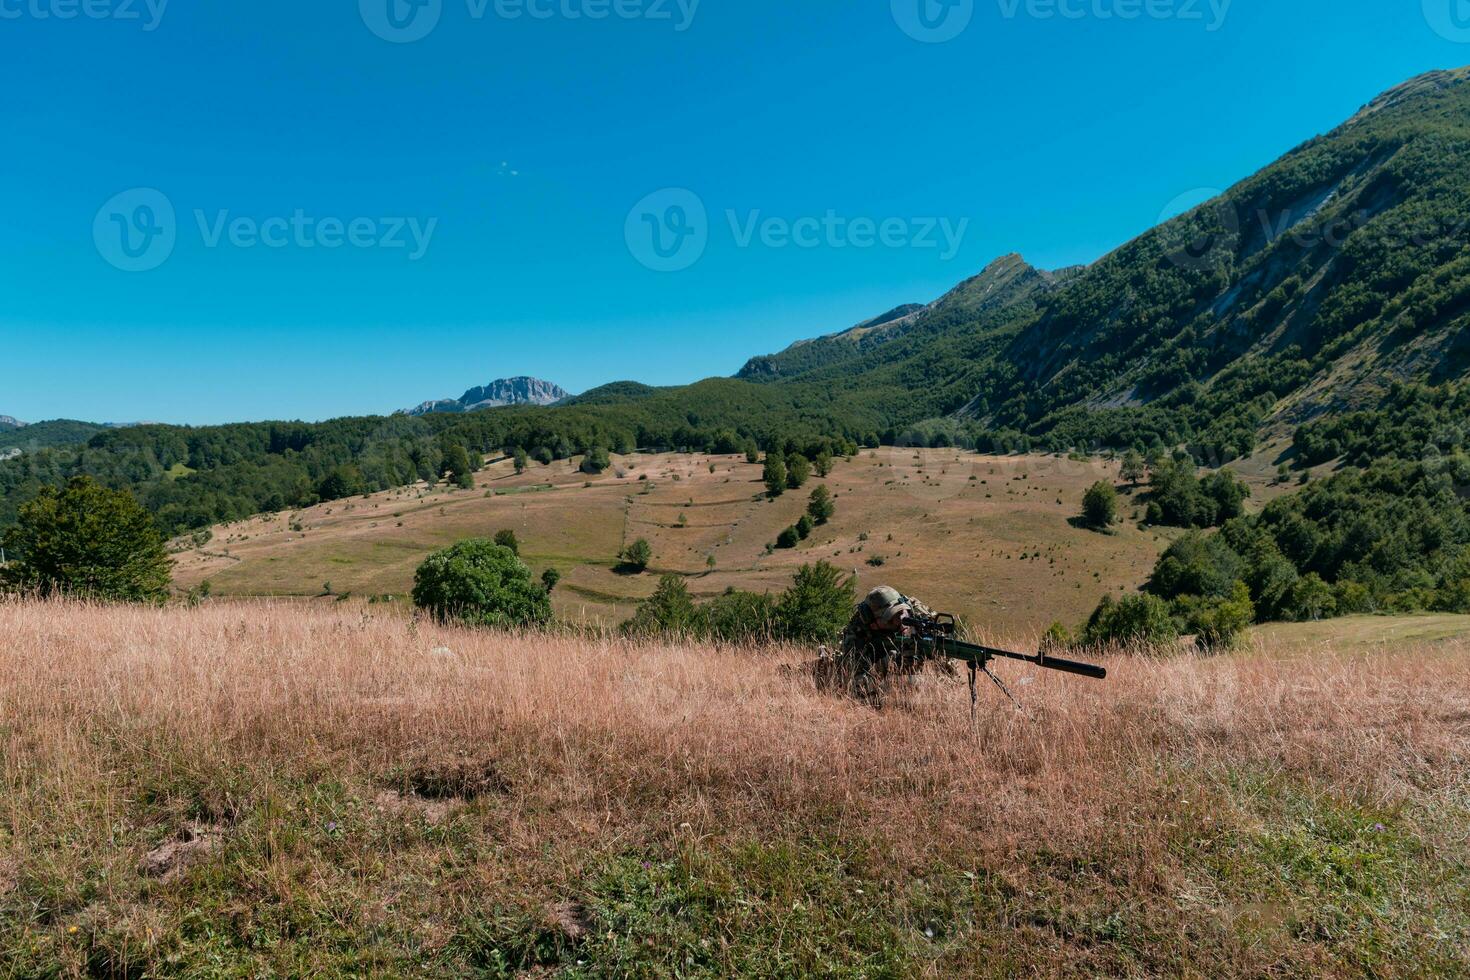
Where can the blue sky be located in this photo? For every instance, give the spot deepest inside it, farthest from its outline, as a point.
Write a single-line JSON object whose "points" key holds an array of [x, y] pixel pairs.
{"points": [[361, 223]]}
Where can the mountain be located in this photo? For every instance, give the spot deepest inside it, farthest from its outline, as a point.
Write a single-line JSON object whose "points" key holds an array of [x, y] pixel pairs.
{"points": [[805, 352], [1309, 288], [496, 394], [1006, 288], [1314, 299], [7, 423]]}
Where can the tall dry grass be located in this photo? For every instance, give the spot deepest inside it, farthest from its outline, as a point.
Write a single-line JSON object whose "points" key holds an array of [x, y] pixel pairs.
{"points": [[602, 747]]}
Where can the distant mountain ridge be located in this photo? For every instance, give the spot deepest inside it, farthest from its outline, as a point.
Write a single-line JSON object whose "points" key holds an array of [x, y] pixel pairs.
{"points": [[496, 394], [1002, 289], [1309, 288], [8, 422]]}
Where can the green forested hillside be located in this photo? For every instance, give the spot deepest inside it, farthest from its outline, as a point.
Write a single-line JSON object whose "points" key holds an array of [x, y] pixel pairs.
{"points": [[61, 432], [1318, 296], [1310, 287]]}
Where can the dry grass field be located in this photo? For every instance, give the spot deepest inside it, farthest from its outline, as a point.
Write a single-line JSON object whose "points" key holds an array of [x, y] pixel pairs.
{"points": [[985, 537], [278, 789]]}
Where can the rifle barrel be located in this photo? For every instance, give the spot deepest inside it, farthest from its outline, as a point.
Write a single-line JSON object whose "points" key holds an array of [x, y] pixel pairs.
{"points": [[976, 655]]}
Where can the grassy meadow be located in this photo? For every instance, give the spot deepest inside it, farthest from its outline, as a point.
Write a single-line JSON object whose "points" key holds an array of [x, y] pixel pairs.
{"points": [[986, 537], [272, 788]]}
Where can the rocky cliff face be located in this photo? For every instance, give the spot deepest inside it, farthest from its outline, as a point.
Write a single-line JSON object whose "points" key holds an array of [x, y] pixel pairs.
{"points": [[7, 422], [496, 394]]}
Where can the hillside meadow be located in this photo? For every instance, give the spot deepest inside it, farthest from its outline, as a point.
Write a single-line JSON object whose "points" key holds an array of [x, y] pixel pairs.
{"points": [[272, 788], [987, 537]]}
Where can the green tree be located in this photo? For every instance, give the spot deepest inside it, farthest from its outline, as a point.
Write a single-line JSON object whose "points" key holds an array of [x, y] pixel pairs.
{"points": [[823, 464], [521, 460], [798, 471], [596, 461], [788, 538], [456, 466], [550, 579], [1311, 599], [1218, 623], [1133, 469], [1100, 506], [739, 617], [805, 526], [479, 583], [670, 610], [637, 555], [752, 452], [1136, 620], [507, 539], [87, 541], [775, 475], [821, 507], [341, 483], [817, 606]]}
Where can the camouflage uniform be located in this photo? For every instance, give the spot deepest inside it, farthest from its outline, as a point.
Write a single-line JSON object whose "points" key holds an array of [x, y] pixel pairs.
{"points": [[873, 646]]}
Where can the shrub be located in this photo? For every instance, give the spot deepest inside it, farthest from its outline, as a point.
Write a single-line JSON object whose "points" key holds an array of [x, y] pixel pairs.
{"points": [[88, 541], [507, 539], [739, 617], [637, 555], [1100, 506], [1057, 639], [1218, 623], [480, 583], [670, 610], [823, 463], [1137, 620], [595, 461], [788, 538], [550, 579], [521, 460], [817, 606], [1196, 565], [805, 526]]}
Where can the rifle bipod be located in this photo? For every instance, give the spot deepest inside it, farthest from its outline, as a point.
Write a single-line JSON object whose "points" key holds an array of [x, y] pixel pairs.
{"points": [[975, 669]]}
